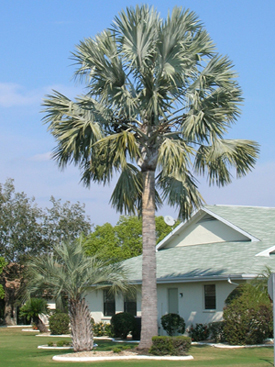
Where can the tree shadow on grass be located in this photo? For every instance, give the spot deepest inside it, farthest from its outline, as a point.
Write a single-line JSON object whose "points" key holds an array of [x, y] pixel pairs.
{"points": [[266, 361]]}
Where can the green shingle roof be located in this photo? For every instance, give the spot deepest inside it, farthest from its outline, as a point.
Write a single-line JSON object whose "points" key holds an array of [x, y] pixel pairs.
{"points": [[218, 260]]}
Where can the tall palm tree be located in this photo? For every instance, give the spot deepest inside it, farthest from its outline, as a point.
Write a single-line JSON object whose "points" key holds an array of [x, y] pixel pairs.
{"points": [[159, 101], [69, 271]]}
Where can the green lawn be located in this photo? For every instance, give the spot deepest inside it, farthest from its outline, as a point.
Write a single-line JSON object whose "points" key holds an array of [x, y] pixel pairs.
{"points": [[19, 349]]}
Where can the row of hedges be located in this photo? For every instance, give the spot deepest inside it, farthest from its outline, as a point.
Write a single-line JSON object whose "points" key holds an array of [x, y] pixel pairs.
{"points": [[248, 319]]}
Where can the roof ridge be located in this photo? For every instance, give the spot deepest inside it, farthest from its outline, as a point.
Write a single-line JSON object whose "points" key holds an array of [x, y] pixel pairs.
{"points": [[241, 206]]}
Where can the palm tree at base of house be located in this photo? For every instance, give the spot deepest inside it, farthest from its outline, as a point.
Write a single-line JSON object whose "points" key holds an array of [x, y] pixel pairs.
{"points": [[69, 271], [159, 101]]}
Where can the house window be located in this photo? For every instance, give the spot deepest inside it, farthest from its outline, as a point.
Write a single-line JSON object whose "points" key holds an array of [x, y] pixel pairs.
{"points": [[130, 304], [210, 297], [109, 303]]}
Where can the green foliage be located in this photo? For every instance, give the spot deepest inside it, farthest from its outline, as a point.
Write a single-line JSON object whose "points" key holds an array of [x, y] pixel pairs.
{"points": [[109, 330], [50, 344], [122, 241], [70, 271], [199, 332], [102, 329], [167, 345], [216, 331], [63, 343], [99, 329], [21, 229], [3, 263], [64, 222], [59, 324], [122, 323], [116, 350], [138, 71], [121, 348], [33, 307], [248, 316], [173, 323], [27, 230]]}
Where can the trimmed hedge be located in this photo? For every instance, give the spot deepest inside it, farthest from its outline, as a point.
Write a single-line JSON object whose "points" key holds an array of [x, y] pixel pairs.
{"points": [[59, 324], [170, 345], [199, 332], [172, 323], [122, 323], [216, 331]]}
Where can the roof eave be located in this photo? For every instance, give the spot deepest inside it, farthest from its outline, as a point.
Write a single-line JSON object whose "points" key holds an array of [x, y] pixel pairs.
{"points": [[196, 279]]}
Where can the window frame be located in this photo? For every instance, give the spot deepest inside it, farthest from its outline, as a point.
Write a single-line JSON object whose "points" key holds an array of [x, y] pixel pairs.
{"points": [[210, 297], [109, 303], [129, 302]]}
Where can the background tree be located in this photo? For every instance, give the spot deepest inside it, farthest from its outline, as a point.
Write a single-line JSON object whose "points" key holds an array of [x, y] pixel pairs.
{"points": [[64, 222], [27, 230], [159, 102], [70, 271], [122, 241], [20, 224], [2, 265], [14, 283]]}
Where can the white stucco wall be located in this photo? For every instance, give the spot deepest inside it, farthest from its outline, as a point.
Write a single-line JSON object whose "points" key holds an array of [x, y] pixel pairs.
{"points": [[95, 303], [190, 305], [94, 300], [205, 232]]}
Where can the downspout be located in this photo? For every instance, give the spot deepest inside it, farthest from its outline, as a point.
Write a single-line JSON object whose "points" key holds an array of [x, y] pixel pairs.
{"points": [[230, 281]]}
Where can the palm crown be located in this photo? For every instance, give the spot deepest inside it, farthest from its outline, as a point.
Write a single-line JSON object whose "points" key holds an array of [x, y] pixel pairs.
{"points": [[159, 97]]}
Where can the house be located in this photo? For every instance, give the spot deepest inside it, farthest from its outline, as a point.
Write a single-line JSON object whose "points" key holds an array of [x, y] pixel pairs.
{"points": [[199, 264]]}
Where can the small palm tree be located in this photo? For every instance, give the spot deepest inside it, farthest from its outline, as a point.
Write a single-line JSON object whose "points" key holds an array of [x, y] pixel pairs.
{"points": [[159, 102], [32, 310], [69, 271]]}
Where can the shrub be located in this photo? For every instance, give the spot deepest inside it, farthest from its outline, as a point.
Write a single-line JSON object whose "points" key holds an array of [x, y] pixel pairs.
{"points": [[108, 330], [92, 322], [116, 350], [99, 328], [59, 324], [248, 315], [247, 325], [121, 348], [172, 323], [33, 308], [216, 331], [199, 332], [170, 345], [63, 343], [50, 344], [122, 323]]}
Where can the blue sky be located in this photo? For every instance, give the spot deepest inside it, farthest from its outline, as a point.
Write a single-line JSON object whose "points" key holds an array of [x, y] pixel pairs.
{"points": [[36, 40]]}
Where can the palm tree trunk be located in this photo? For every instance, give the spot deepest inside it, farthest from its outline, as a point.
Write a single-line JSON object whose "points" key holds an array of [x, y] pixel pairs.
{"points": [[149, 327], [41, 326], [81, 329]]}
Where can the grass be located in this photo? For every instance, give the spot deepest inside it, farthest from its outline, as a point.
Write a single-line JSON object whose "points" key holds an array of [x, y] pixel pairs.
{"points": [[19, 349]]}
